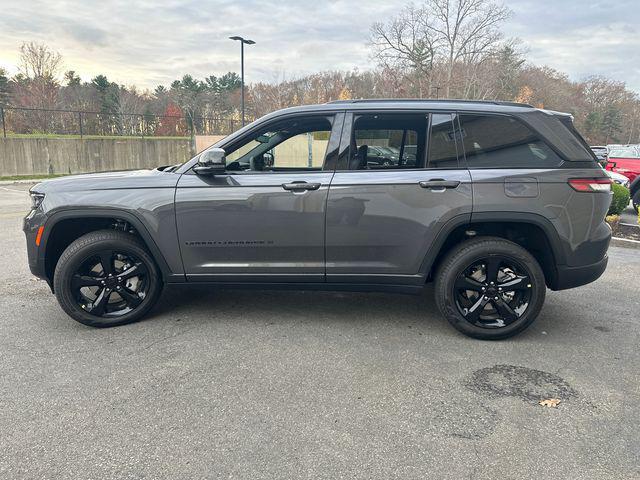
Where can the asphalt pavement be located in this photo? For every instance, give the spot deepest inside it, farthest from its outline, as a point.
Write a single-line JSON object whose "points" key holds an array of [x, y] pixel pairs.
{"points": [[273, 384]]}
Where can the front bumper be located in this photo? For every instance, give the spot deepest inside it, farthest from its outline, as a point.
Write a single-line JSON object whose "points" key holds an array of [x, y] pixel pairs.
{"points": [[30, 226], [571, 277]]}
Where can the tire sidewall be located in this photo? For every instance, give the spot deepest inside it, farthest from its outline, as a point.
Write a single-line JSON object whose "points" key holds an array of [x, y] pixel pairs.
{"points": [[468, 254], [77, 253]]}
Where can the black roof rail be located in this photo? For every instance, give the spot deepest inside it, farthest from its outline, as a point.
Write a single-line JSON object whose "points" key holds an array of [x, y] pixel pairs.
{"points": [[432, 100]]}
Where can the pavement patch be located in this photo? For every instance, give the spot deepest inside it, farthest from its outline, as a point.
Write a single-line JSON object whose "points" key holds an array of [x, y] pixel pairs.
{"points": [[519, 382]]}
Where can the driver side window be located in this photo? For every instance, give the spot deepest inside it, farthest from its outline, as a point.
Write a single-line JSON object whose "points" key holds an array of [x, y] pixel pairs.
{"points": [[294, 144]]}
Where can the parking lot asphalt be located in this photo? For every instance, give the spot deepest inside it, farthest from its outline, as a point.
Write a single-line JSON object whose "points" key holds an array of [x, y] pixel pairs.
{"points": [[273, 384]]}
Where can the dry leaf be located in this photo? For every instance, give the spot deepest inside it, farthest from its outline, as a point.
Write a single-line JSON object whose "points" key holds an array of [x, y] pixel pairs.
{"points": [[550, 402]]}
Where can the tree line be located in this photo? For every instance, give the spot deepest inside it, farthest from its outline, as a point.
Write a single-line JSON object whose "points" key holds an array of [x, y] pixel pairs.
{"points": [[437, 49]]}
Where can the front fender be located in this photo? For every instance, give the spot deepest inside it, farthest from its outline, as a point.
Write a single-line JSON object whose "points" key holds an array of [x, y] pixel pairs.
{"points": [[171, 267]]}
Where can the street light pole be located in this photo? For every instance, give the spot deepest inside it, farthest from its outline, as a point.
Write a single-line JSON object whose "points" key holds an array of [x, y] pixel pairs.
{"points": [[242, 43]]}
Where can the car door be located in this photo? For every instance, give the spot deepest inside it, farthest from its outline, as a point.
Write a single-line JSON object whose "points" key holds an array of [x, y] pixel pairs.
{"points": [[264, 218], [382, 219]]}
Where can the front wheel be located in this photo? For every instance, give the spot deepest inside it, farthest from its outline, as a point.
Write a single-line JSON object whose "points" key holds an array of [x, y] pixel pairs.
{"points": [[106, 278], [490, 288]]}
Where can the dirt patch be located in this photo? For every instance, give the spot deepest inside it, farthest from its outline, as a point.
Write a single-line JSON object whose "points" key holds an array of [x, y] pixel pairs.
{"points": [[630, 232]]}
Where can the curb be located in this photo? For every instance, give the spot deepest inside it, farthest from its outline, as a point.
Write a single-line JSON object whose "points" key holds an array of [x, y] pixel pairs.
{"points": [[623, 242]]}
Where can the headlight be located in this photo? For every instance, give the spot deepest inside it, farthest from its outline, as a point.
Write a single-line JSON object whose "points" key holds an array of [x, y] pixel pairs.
{"points": [[36, 199]]}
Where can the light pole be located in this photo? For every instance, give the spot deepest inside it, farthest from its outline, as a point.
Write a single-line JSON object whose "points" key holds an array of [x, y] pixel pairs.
{"points": [[242, 42]]}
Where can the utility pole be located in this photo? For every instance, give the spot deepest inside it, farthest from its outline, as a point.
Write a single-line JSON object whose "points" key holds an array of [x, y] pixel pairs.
{"points": [[242, 43]]}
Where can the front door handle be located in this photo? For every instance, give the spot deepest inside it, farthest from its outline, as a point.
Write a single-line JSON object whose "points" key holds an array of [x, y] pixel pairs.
{"points": [[300, 186], [439, 184]]}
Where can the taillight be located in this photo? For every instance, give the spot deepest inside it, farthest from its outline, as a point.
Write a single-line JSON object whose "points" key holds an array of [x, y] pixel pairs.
{"points": [[591, 184]]}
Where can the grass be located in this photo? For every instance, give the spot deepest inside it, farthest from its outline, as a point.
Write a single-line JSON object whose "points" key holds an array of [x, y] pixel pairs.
{"points": [[30, 177], [86, 137]]}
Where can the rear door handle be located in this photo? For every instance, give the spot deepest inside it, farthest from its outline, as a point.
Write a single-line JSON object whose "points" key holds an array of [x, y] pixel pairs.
{"points": [[300, 186], [439, 184]]}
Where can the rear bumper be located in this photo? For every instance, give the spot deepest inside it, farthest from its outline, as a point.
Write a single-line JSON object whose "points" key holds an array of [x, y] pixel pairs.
{"points": [[571, 277]]}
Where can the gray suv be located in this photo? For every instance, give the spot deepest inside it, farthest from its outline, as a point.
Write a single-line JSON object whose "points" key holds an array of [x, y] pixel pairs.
{"points": [[492, 201]]}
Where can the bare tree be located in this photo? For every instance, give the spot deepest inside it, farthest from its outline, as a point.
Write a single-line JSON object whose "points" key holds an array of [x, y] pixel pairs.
{"points": [[36, 84], [39, 61], [407, 41], [450, 32], [469, 29]]}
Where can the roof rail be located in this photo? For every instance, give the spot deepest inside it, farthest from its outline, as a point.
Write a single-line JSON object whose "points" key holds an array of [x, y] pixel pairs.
{"points": [[432, 100]]}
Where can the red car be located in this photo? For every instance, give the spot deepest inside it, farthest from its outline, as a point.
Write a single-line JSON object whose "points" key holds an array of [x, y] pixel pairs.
{"points": [[626, 161]]}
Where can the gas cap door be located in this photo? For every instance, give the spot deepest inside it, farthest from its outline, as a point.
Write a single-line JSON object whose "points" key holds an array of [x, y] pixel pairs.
{"points": [[521, 187]]}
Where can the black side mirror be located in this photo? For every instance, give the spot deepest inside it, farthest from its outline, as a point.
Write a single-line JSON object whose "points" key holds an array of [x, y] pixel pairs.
{"points": [[211, 162], [268, 159]]}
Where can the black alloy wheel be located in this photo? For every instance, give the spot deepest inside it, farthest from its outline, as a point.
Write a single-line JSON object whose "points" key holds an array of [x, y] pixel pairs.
{"points": [[110, 283], [493, 292], [489, 288], [107, 278]]}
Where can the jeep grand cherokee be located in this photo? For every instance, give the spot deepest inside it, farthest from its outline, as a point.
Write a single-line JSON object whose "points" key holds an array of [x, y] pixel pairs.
{"points": [[492, 201]]}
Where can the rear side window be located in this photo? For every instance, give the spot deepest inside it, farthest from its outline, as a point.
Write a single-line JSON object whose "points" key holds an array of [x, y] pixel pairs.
{"points": [[497, 141], [442, 142], [391, 141]]}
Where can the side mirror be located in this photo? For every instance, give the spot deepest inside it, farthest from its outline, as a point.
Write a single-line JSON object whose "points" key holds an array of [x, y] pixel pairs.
{"points": [[612, 165], [268, 159], [211, 162]]}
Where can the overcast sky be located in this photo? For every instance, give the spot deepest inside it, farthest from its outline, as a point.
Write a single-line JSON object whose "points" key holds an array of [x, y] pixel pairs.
{"points": [[147, 43]]}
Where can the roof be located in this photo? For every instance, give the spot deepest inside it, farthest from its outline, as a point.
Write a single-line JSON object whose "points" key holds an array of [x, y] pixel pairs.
{"points": [[429, 101], [391, 104], [412, 104]]}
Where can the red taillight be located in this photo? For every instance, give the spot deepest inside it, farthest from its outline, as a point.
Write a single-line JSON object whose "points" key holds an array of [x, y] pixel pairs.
{"points": [[591, 184], [39, 235]]}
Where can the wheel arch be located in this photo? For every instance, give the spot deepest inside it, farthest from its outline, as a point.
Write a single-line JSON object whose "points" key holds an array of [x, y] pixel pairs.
{"points": [[531, 231], [56, 237]]}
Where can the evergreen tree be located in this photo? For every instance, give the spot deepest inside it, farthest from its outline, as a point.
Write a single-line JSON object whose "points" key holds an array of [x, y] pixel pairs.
{"points": [[4, 88], [72, 79], [612, 123]]}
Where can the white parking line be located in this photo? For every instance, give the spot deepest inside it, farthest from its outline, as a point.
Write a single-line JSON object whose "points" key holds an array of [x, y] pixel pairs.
{"points": [[11, 190]]}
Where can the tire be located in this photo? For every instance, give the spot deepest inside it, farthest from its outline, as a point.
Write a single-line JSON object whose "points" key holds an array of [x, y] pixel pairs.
{"points": [[477, 256], [636, 201], [137, 267]]}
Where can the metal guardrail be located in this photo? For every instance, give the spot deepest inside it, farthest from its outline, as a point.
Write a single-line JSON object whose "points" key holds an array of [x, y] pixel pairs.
{"points": [[17, 121]]}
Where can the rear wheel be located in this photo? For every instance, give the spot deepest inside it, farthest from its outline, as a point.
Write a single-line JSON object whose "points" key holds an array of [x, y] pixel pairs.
{"points": [[106, 278], [490, 288]]}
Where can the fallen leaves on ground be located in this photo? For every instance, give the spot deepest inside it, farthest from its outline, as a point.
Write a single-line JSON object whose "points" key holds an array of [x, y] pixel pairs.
{"points": [[550, 402]]}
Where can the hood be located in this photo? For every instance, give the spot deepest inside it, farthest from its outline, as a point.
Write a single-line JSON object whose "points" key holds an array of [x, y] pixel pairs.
{"points": [[109, 181]]}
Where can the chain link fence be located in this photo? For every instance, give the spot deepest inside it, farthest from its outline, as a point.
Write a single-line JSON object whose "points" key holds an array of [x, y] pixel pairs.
{"points": [[18, 121]]}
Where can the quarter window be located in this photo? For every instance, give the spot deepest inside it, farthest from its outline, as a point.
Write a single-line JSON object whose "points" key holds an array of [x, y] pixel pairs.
{"points": [[498, 141]]}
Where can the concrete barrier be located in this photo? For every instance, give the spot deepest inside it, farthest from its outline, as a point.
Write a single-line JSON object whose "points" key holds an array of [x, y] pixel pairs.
{"points": [[46, 156], [205, 141]]}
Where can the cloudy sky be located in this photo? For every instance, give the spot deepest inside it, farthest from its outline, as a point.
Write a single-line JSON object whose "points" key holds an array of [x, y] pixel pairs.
{"points": [[147, 43]]}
